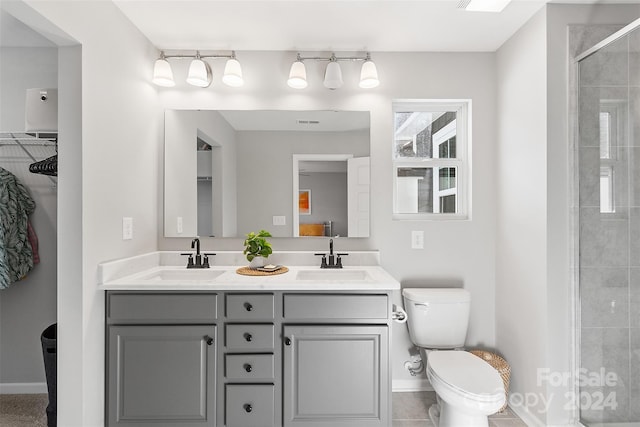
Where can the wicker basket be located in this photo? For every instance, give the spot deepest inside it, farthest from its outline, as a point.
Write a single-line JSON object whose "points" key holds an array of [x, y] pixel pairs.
{"points": [[500, 365]]}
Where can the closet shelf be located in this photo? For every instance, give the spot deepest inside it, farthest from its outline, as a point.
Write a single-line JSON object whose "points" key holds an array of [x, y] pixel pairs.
{"points": [[48, 166], [28, 138]]}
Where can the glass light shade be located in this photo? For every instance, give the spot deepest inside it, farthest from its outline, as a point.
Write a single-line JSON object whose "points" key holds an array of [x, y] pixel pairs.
{"points": [[297, 75], [333, 76], [369, 75], [199, 73], [233, 73], [162, 74]]}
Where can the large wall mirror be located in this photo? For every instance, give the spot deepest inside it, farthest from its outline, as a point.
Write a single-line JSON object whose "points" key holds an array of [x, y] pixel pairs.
{"points": [[294, 173]]}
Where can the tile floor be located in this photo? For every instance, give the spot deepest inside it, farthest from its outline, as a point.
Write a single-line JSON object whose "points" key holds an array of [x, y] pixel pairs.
{"points": [[411, 410]]}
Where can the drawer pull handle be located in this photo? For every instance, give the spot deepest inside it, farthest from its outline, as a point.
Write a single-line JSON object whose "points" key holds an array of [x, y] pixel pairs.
{"points": [[248, 368], [248, 337], [287, 341], [209, 340], [248, 306], [248, 408]]}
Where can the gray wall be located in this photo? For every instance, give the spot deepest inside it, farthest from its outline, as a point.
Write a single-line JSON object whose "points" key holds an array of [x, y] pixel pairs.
{"points": [[27, 307], [265, 172], [535, 306], [328, 200], [457, 253]]}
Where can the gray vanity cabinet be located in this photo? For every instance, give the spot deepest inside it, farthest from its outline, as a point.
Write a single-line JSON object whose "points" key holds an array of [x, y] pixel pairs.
{"points": [[248, 359], [335, 376], [336, 360], [161, 371]]}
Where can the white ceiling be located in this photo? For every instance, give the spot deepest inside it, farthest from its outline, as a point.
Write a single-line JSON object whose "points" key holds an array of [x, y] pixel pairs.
{"points": [[325, 25]]}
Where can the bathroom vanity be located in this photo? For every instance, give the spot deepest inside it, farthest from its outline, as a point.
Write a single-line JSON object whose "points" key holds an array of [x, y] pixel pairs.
{"points": [[304, 348]]}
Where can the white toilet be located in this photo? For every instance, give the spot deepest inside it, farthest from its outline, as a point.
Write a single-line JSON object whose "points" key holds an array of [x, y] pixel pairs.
{"points": [[468, 388]]}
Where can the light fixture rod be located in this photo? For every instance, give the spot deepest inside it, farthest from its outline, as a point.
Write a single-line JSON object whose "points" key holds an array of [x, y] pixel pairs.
{"points": [[333, 57], [232, 55]]}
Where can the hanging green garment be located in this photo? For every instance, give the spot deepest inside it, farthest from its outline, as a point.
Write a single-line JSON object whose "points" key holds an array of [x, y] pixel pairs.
{"points": [[16, 257]]}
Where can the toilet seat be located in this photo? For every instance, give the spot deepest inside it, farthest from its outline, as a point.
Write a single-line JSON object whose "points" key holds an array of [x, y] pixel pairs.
{"points": [[467, 375]]}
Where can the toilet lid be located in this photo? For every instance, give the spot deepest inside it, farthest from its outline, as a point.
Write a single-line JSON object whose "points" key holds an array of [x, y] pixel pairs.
{"points": [[467, 373]]}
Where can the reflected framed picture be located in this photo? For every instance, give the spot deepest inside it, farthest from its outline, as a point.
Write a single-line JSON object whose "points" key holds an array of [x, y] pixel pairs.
{"points": [[304, 202]]}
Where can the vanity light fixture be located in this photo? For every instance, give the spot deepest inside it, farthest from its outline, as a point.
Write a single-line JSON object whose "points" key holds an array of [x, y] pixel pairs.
{"points": [[298, 74], [162, 74], [333, 72], [199, 70]]}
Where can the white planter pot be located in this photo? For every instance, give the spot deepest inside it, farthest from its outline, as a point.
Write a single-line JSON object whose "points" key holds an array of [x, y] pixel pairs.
{"points": [[258, 261]]}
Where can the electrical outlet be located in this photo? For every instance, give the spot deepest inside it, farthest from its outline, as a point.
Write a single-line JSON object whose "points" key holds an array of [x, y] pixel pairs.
{"points": [[417, 239], [179, 225], [127, 228], [279, 220]]}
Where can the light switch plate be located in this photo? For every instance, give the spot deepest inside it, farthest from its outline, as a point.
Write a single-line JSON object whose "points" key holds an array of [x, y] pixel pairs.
{"points": [[127, 228], [279, 220], [179, 225], [417, 239]]}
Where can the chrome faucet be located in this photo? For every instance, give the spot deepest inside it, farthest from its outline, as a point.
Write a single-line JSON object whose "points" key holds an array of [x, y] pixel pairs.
{"points": [[335, 261], [200, 261]]}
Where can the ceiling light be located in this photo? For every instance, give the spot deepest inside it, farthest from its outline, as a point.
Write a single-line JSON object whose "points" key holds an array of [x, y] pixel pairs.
{"points": [[297, 75], [487, 5], [199, 72], [369, 74], [232, 72], [333, 74], [162, 73]]}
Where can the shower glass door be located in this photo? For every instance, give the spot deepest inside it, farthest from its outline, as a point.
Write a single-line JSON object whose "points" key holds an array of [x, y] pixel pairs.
{"points": [[608, 163]]}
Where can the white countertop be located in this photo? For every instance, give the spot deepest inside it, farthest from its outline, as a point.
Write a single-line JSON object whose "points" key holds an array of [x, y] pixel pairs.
{"points": [[149, 272]]}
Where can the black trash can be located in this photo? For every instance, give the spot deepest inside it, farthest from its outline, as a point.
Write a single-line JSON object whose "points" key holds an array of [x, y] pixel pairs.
{"points": [[49, 352]]}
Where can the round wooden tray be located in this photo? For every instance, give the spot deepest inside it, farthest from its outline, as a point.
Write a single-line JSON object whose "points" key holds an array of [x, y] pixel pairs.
{"points": [[248, 271]]}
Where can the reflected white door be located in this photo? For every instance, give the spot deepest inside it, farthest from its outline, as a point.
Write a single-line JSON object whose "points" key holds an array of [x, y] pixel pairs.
{"points": [[358, 182]]}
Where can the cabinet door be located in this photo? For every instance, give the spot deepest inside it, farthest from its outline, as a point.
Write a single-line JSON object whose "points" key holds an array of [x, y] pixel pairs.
{"points": [[161, 375], [336, 376]]}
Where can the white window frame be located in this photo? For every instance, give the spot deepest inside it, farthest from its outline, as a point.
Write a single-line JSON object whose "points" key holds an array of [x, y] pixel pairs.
{"points": [[462, 162]]}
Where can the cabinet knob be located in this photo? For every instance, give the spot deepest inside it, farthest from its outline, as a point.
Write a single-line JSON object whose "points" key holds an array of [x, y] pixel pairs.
{"points": [[248, 337], [248, 408], [248, 306], [209, 340], [248, 367], [287, 341]]}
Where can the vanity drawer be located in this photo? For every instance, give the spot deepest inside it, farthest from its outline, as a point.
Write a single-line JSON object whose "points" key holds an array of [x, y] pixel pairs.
{"points": [[253, 367], [150, 308], [250, 306], [249, 337], [336, 306], [250, 405]]}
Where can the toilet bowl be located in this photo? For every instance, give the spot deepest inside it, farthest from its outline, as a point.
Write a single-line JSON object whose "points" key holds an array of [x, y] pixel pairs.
{"points": [[468, 387]]}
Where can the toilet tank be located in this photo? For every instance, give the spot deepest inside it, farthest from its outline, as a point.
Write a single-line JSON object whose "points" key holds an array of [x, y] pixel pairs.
{"points": [[437, 318]]}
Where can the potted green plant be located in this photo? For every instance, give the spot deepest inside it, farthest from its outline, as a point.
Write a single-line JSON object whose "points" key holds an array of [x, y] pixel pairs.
{"points": [[257, 248]]}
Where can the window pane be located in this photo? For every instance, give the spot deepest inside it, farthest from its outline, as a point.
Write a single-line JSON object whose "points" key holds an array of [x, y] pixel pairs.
{"points": [[421, 134], [426, 190], [448, 204], [447, 178]]}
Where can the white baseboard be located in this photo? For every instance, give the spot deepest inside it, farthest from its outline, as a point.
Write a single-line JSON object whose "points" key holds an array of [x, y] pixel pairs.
{"points": [[23, 388], [422, 384], [526, 416]]}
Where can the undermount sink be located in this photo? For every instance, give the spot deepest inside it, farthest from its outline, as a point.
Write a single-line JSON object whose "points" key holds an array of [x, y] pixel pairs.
{"points": [[341, 275], [187, 275]]}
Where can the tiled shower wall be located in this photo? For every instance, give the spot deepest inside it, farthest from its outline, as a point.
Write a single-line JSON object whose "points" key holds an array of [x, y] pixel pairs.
{"points": [[608, 164]]}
